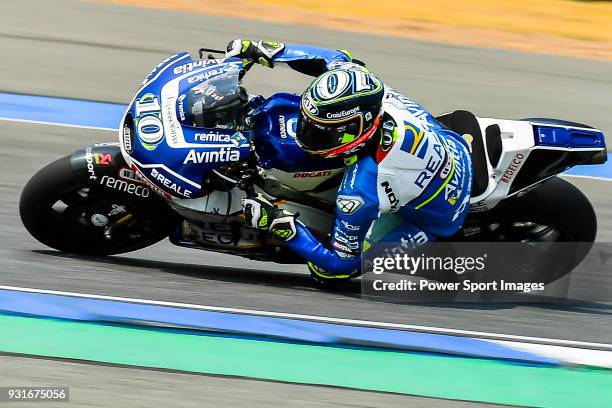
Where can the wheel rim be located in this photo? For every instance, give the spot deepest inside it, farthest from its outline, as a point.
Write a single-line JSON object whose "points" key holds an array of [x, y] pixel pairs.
{"points": [[522, 231], [88, 220]]}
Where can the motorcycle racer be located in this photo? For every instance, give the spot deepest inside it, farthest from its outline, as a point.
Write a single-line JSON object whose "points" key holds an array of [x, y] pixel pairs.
{"points": [[400, 160]]}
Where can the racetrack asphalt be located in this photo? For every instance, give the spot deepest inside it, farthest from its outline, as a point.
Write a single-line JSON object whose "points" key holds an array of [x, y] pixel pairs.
{"points": [[95, 385], [102, 52]]}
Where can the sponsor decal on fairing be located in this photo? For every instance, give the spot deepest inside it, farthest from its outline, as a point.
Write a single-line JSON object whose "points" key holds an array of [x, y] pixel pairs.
{"points": [[90, 163], [512, 168], [190, 66], [203, 76], [309, 174], [169, 184], [103, 159], [124, 186], [286, 127], [212, 156]]}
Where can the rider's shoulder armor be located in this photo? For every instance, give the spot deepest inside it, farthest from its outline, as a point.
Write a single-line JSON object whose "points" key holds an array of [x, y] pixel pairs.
{"points": [[410, 158], [422, 171]]}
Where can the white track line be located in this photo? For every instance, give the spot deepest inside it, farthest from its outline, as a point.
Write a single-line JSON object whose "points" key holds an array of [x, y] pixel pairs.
{"points": [[349, 322], [41, 122], [573, 355], [353, 322]]}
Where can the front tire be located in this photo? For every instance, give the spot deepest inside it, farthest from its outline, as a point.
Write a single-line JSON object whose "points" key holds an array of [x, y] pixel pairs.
{"points": [[62, 209]]}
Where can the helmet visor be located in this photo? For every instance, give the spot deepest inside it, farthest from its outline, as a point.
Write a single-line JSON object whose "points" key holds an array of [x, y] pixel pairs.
{"points": [[320, 137]]}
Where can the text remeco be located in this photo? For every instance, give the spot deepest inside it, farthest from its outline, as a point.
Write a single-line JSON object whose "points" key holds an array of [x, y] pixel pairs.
{"points": [[122, 185]]}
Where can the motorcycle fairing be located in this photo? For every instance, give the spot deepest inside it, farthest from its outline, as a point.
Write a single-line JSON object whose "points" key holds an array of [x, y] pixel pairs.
{"points": [[278, 152], [533, 150], [564, 136], [103, 167], [174, 158]]}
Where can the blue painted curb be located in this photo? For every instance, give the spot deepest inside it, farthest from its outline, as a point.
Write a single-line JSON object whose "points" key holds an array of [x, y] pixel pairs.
{"points": [[600, 170], [61, 111], [86, 309]]}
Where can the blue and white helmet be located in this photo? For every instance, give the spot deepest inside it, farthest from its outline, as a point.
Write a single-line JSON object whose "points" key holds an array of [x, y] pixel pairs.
{"points": [[340, 111]]}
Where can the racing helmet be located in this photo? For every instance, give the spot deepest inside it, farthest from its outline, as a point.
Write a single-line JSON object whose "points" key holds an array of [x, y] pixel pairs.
{"points": [[219, 103], [340, 112]]}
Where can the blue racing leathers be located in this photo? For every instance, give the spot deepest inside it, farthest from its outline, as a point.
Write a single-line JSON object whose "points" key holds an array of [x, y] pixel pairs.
{"points": [[309, 60], [419, 171]]}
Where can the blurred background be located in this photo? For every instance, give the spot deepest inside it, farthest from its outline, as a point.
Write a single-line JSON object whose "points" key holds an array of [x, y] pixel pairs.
{"points": [[107, 48]]}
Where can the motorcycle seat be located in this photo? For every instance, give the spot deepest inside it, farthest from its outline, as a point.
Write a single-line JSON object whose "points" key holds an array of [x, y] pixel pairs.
{"points": [[464, 122]]}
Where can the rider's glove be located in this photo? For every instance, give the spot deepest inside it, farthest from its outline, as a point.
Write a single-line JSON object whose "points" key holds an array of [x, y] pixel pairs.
{"points": [[261, 52], [262, 214]]}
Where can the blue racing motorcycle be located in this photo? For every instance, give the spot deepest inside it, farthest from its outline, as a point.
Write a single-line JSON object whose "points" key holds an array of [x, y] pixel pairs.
{"points": [[167, 178]]}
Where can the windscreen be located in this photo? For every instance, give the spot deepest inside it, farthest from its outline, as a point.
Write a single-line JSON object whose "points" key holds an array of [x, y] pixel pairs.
{"points": [[218, 102]]}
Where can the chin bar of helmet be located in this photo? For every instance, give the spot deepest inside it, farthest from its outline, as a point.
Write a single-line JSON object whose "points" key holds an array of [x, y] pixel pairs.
{"points": [[349, 146]]}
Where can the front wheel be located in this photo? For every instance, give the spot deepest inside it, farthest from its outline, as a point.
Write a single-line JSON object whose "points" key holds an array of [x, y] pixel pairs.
{"points": [[65, 211]]}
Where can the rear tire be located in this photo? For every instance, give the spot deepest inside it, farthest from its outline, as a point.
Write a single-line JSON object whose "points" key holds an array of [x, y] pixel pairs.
{"points": [[562, 214], [559, 204]]}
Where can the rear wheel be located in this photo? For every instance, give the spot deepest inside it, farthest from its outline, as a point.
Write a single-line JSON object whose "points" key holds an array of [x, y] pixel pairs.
{"points": [[554, 212], [64, 211]]}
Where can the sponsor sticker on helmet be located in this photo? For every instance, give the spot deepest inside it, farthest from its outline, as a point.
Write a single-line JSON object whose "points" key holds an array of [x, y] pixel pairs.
{"points": [[332, 84], [344, 83], [309, 106], [344, 113]]}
